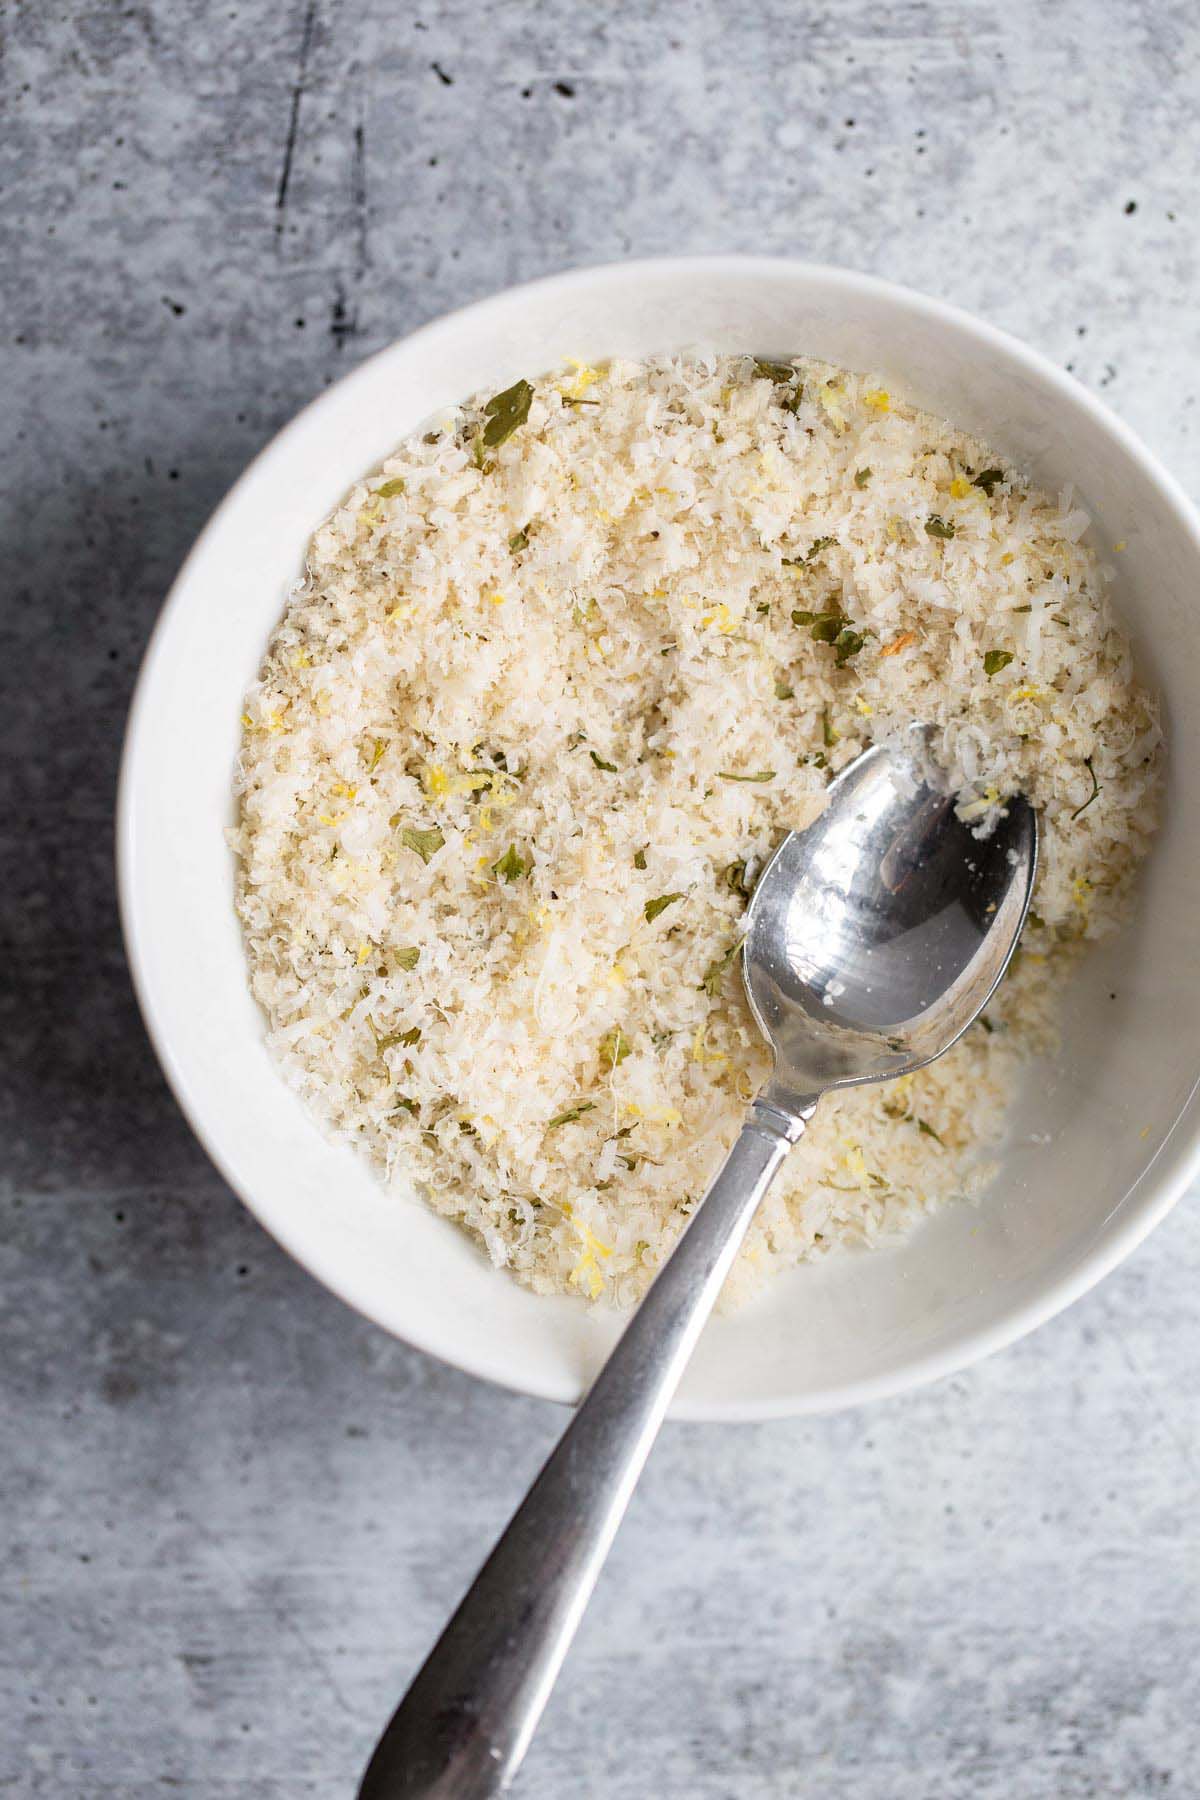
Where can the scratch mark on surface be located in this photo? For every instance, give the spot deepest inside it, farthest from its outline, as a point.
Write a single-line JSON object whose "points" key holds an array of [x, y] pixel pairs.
{"points": [[281, 1615], [285, 173], [1152, 1402], [359, 195]]}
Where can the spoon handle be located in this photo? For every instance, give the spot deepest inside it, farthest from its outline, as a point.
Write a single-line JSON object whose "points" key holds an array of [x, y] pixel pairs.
{"points": [[466, 1722]]}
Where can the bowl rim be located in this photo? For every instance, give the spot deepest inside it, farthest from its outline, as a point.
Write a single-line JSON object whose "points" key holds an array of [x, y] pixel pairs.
{"points": [[1146, 1203]]}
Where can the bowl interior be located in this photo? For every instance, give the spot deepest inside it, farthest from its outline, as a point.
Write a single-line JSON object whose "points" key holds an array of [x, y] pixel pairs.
{"points": [[1102, 1141]]}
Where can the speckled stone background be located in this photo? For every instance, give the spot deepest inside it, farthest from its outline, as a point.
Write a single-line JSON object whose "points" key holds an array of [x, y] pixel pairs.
{"points": [[234, 1515]]}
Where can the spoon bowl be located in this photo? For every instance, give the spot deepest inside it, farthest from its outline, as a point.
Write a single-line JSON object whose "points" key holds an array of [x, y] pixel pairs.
{"points": [[877, 934]]}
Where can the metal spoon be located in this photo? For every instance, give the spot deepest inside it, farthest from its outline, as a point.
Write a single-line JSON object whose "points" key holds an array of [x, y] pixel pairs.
{"points": [[874, 938]]}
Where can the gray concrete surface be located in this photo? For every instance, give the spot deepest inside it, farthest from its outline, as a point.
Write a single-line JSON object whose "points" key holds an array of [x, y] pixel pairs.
{"points": [[234, 1514]]}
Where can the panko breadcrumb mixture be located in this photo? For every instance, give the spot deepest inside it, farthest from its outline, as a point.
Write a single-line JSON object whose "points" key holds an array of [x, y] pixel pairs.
{"points": [[554, 683]]}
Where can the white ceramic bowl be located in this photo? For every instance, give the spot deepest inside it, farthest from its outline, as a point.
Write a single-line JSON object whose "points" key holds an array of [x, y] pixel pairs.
{"points": [[1104, 1141]]}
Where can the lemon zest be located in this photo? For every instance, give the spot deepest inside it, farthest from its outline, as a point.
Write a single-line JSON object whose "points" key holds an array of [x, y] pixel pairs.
{"points": [[856, 1162], [587, 1269], [656, 1115], [960, 488], [976, 809], [438, 782], [585, 377], [700, 1051], [725, 621], [830, 403], [878, 399]]}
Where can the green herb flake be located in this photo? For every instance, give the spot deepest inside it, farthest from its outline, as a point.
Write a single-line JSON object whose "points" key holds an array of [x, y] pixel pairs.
{"points": [[988, 480], [814, 550], [572, 1113], [519, 540], [408, 1038], [714, 975], [780, 372], [659, 905], [827, 628], [734, 877], [712, 978], [801, 617], [504, 413], [848, 644], [614, 1047], [1087, 763], [986, 1023], [758, 775], [391, 490], [609, 768], [763, 607], [782, 690], [405, 1105], [408, 956], [1022, 609], [511, 866], [425, 843], [828, 734], [937, 527], [639, 859], [928, 1131], [378, 750], [577, 400], [995, 660], [862, 476]]}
